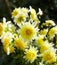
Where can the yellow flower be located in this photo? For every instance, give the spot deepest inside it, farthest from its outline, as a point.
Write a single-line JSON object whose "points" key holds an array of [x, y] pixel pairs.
{"points": [[7, 42], [15, 12], [40, 41], [8, 48], [7, 37], [52, 32], [19, 19], [50, 56], [27, 31], [33, 14], [20, 44], [31, 54], [20, 15], [1, 29], [46, 46], [50, 22], [44, 31], [18, 11]]}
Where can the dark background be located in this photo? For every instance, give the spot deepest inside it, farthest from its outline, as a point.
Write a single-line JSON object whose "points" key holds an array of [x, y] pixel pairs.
{"points": [[49, 8]]}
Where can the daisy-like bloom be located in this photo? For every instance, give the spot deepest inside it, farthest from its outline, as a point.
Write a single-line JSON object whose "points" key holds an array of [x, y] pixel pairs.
{"points": [[15, 12], [44, 32], [7, 43], [20, 15], [19, 10], [31, 54], [52, 32], [1, 29], [20, 44], [28, 31], [50, 23], [46, 46], [20, 18], [50, 55], [33, 14], [40, 40]]}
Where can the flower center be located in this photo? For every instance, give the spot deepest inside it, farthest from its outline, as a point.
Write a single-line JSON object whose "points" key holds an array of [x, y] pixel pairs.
{"points": [[20, 18], [28, 32]]}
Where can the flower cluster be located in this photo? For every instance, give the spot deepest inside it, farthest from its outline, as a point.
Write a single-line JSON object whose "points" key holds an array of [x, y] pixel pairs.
{"points": [[35, 39]]}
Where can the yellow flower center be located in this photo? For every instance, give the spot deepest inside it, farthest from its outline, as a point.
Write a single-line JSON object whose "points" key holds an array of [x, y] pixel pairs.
{"points": [[50, 56], [20, 19], [30, 55], [28, 32]]}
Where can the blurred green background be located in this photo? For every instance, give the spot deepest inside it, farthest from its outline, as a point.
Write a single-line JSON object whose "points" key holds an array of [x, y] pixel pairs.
{"points": [[49, 8]]}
